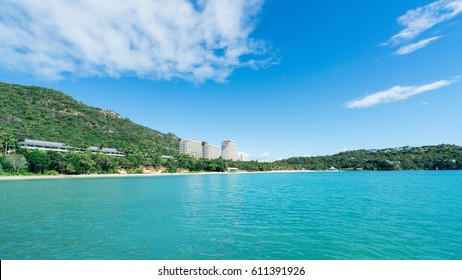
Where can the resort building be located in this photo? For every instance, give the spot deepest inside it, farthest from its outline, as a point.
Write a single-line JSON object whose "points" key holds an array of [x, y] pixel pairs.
{"points": [[191, 147], [44, 145], [164, 157], [198, 149], [229, 150], [61, 147], [210, 151], [107, 151]]}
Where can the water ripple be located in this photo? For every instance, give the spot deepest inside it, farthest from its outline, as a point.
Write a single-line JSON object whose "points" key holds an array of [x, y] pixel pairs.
{"points": [[364, 215]]}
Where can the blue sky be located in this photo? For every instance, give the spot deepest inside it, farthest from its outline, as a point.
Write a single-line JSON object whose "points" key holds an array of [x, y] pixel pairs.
{"points": [[282, 78]]}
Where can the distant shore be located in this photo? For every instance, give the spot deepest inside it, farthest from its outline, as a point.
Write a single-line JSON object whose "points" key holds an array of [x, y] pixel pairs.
{"points": [[89, 176]]}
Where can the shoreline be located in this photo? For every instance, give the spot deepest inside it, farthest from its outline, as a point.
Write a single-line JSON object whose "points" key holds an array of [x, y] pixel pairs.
{"points": [[122, 175], [95, 176]]}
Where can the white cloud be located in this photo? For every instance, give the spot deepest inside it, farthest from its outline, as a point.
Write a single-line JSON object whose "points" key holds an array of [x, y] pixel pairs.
{"points": [[195, 40], [423, 18], [415, 46], [266, 157], [245, 155], [396, 93], [263, 157]]}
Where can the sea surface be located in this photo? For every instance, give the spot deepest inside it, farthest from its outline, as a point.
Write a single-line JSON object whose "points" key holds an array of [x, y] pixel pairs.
{"points": [[326, 215]]}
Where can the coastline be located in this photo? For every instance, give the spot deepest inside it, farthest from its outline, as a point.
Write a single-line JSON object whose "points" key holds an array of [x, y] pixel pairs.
{"points": [[95, 176]]}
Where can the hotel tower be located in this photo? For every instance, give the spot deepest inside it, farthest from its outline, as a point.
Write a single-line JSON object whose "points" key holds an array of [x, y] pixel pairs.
{"points": [[191, 147], [229, 150]]}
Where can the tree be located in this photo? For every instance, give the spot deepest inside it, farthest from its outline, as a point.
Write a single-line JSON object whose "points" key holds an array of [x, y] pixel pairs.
{"points": [[136, 161], [7, 142], [80, 163], [156, 160], [38, 161], [58, 161], [104, 163], [170, 167], [6, 166], [17, 161], [2, 140], [183, 162]]}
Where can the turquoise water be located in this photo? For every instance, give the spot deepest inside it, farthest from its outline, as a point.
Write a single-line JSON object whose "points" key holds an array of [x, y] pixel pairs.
{"points": [[339, 215]]}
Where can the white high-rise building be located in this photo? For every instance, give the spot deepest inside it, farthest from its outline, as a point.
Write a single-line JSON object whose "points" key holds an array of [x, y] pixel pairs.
{"points": [[229, 150], [210, 151], [191, 147]]}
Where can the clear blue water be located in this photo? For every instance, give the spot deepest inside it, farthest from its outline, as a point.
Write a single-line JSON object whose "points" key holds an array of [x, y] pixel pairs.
{"points": [[362, 215]]}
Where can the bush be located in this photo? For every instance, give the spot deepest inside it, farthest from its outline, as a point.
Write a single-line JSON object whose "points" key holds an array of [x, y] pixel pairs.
{"points": [[51, 172]]}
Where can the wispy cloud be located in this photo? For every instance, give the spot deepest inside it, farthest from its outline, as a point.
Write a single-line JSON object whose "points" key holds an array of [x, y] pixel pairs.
{"points": [[396, 93], [415, 46], [163, 39], [421, 19]]}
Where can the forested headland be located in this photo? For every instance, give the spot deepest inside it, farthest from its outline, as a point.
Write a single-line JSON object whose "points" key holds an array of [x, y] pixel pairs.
{"points": [[18, 161], [45, 114]]}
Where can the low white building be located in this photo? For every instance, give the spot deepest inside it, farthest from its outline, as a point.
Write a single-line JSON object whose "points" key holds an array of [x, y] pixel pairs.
{"points": [[61, 147], [44, 145], [107, 151]]}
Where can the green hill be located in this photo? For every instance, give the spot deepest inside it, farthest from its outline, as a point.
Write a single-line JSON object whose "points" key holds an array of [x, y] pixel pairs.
{"points": [[441, 157], [45, 114]]}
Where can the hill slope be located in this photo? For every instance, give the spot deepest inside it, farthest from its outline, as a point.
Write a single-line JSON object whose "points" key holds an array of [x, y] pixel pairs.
{"points": [[440, 157], [45, 114]]}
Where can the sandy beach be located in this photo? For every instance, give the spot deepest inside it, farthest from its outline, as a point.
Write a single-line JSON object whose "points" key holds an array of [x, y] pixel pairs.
{"points": [[88, 176]]}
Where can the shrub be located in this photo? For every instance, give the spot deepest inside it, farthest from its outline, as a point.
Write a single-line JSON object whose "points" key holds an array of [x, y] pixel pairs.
{"points": [[51, 172]]}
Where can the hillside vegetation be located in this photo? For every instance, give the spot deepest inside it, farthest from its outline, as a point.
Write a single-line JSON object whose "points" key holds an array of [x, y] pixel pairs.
{"points": [[45, 114], [440, 157]]}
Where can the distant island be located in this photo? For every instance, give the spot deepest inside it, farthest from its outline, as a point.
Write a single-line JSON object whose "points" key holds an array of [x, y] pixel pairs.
{"points": [[100, 141]]}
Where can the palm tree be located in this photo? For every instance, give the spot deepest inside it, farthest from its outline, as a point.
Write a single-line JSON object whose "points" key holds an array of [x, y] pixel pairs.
{"points": [[2, 135], [7, 142]]}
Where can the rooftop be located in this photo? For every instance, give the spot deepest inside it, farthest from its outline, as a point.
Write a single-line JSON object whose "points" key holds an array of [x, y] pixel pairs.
{"points": [[31, 142], [192, 140]]}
